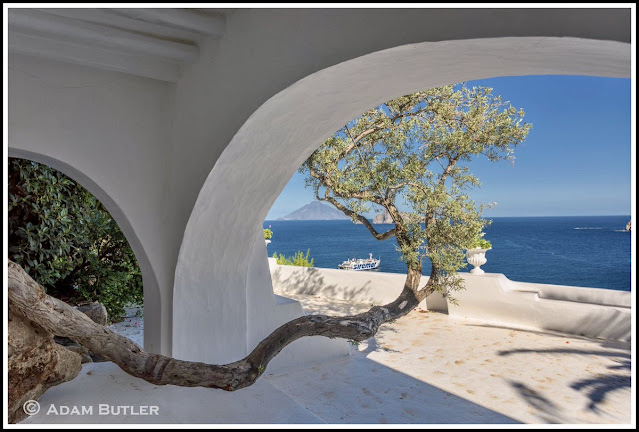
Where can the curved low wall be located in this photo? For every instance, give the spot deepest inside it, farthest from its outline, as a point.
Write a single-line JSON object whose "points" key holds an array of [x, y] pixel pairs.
{"points": [[362, 287], [598, 296], [488, 298]]}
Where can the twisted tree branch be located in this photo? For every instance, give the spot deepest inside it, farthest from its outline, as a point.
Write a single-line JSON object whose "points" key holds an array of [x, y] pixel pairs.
{"points": [[348, 212], [28, 299]]}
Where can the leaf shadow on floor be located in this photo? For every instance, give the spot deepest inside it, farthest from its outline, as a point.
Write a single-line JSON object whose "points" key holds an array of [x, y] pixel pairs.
{"points": [[595, 388]]}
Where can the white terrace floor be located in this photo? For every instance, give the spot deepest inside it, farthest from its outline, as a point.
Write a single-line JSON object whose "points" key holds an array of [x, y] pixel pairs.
{"points": [[424, 368]]}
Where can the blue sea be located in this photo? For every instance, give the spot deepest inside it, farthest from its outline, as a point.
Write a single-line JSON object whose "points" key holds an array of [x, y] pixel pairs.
{"points": [[586, 251]]}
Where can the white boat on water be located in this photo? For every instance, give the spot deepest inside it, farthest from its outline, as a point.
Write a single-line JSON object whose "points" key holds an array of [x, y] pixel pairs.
{"points": [[360, 263]]}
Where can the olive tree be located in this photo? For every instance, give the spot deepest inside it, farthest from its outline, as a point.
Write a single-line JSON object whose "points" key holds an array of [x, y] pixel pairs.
{"points": [[415, 148]]}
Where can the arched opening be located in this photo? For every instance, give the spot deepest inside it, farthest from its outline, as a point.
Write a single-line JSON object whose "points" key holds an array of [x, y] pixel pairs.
{"points": [[561, 170], [152, 300], [281, 134]]}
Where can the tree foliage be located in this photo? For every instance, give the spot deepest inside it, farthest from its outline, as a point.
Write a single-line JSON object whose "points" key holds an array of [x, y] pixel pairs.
{"points": [[67, 241], [416, 150]]}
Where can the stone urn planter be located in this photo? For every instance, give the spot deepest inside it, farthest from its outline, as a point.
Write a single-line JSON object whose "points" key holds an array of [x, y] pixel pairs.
{"points": [[267, 235], [477, 258]]}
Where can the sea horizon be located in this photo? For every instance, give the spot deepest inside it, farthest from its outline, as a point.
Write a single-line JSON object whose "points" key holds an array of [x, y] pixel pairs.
{"points": [[491, 217], [586, 251]]}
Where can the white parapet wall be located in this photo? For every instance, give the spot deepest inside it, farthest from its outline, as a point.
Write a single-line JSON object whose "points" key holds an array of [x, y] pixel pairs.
{"points": [[362, 287], [591, 312], [489, 298]]}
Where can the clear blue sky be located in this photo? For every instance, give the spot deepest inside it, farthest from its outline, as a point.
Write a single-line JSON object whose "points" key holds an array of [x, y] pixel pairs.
{"points": [[575, 161]]}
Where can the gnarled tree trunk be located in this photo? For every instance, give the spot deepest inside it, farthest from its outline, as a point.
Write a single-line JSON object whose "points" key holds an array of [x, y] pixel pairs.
{"points": [[28, 299], [35, 364]]}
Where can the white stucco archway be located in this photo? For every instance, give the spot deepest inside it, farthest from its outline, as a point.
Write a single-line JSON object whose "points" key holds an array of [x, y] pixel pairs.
{"points": [[232, 111], [279, 136], [152, 297]]}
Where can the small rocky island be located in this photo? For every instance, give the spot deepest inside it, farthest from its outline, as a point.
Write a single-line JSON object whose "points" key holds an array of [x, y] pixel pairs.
{"points": [[385, 218]]}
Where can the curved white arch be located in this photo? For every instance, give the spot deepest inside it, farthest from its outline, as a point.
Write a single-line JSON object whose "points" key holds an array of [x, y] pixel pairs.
{"points": [[152, 298], [287, 128]]}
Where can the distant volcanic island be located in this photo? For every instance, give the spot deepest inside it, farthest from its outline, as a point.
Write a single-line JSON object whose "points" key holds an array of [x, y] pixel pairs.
{"points": [[319, 211], [315, 211]]}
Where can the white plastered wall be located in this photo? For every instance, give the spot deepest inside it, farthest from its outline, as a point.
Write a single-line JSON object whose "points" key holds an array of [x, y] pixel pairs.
{"points": [[489, 298], [109, 132]]}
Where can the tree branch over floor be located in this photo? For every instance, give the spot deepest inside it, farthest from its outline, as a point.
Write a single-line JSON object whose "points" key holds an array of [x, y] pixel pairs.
{"points": [[28, 299]]}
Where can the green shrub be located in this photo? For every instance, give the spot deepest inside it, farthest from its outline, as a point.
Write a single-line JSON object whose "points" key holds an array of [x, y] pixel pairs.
{"points": [[67, 241], [267, 234], [481, 242], [299, 259]]}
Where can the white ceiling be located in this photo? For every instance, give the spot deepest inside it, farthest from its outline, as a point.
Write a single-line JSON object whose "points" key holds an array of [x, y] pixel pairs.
{"points": [[148, 42]]}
